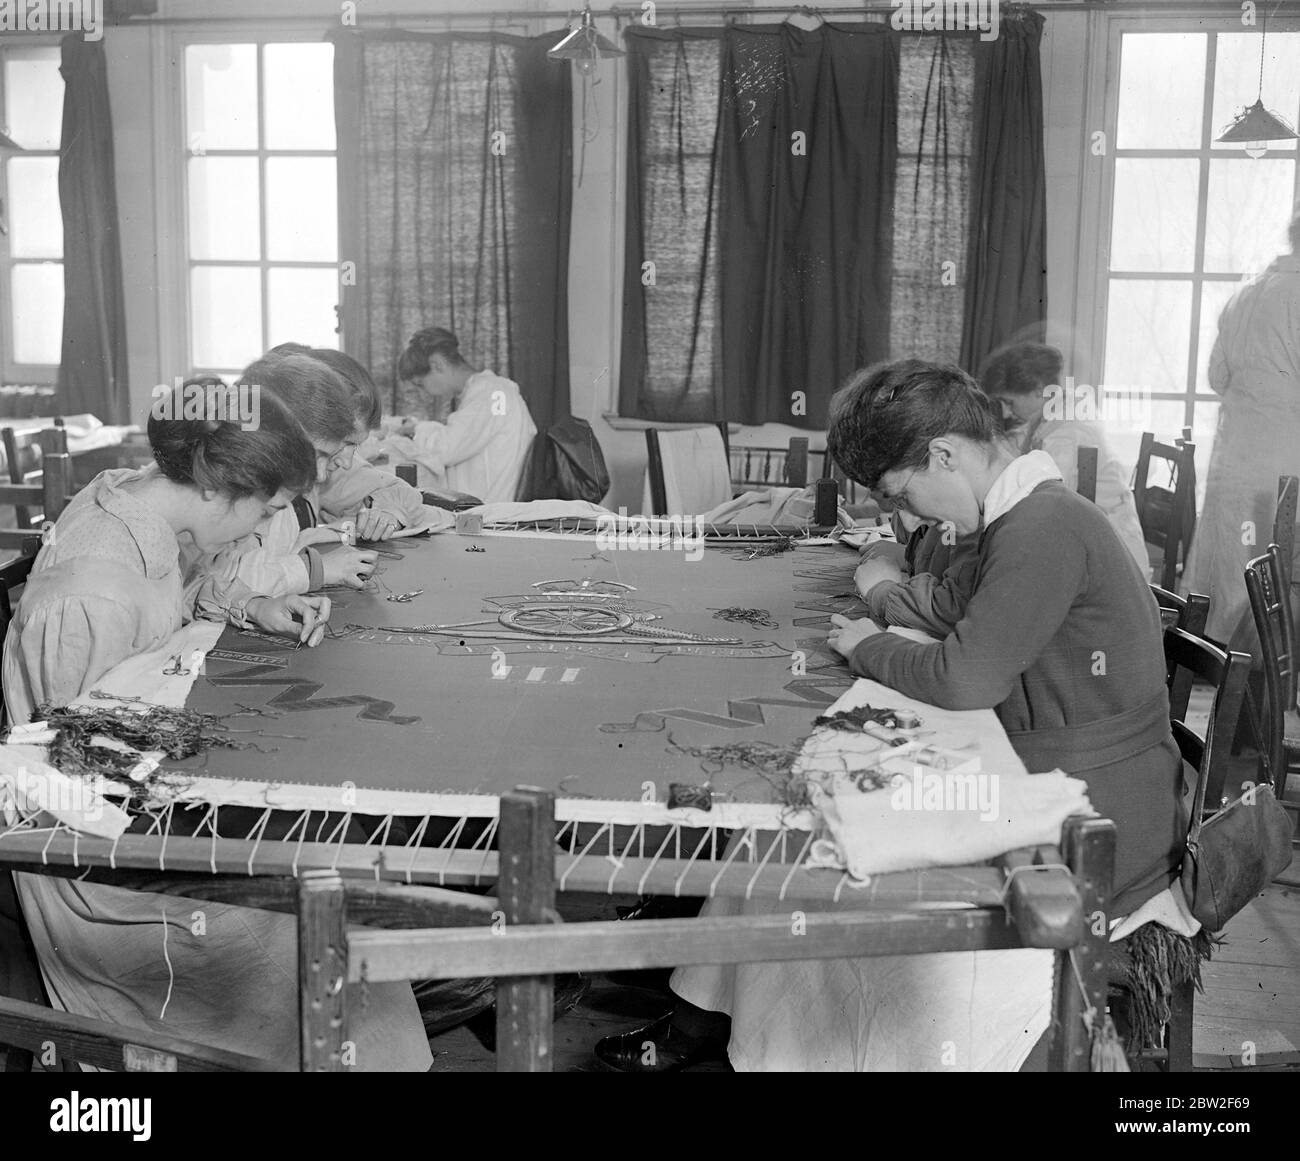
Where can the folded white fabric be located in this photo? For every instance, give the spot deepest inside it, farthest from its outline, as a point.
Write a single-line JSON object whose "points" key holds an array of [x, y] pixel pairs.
{"points": [[30, 787], [953, 794], [142, 677]]}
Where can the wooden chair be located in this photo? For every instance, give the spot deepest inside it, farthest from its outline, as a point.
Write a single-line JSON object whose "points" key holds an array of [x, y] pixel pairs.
{"points": [[49, 497], [1188, 613], [1210, 757], [1276, 722], [769, 467], [1167, 516], [660, 487], [22, 465], [1086, 459]]}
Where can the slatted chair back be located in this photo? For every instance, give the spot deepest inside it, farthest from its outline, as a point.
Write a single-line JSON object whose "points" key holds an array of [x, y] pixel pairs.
{"points": [[770, 467], [1225, 672], [1271, 608], [1188, 613], [1167, 515], [1086, 459], [20, 463], [49, 497], [1284, 521]]}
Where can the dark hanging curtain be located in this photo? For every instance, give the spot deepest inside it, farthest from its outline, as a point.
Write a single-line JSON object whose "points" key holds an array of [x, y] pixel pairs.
{"points": [[455, 172], [92, 372], [808, 153], [771, 254], [1006, 284]]}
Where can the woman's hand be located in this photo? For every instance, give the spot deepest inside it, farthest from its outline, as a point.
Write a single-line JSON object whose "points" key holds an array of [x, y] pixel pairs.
{"points": [[847, 635], [293, 616], [348, 566], [373, 524], [874, 570]]}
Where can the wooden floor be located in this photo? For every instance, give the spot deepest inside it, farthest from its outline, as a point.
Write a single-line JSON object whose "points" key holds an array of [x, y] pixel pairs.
{"points": [[1251, 1003]]}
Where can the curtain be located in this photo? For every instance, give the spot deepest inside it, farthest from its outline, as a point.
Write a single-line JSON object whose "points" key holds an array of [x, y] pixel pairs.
{"points": [[935, 91], [93, 370], [808, 156], [1006, 285], [455, 172], [741, 288]]}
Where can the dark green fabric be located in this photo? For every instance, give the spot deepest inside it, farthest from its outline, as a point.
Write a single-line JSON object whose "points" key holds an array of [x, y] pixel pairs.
{"points": [[1006, 276], [93, 370]]}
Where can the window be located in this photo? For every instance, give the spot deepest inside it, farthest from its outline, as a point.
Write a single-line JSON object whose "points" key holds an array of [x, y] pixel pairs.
{"points": [[31, 240], [1190, 219], [261, 200]]}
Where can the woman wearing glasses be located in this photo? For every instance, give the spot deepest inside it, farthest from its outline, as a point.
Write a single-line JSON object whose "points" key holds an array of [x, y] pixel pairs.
{"points": [[279, 558], [1060, 637]]}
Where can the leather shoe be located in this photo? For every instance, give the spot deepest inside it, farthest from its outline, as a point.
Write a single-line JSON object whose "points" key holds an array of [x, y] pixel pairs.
{"points": [[657, 1047]]}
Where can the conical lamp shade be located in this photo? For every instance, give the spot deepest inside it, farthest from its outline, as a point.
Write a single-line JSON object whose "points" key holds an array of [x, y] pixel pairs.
{"points": [[1257, 124]]}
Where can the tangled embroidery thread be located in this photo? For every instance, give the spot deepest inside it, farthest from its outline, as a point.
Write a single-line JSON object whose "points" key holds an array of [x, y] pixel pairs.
{"points": [[783, 544], [758, 618]]}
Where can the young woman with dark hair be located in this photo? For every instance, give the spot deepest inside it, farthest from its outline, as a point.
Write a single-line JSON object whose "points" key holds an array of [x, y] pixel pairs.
{"points": [[105, 587], [279, 557], [1021, 379], [481, 448], [1061, 638]]}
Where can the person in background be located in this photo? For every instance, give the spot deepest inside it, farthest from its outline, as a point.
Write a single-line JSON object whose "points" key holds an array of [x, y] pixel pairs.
{"points": [[107, 586], [1021, 378], [482, 447], [1255, 368]]}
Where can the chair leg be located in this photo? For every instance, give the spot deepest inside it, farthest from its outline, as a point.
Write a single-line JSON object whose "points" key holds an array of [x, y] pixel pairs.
{"points": [[1178, 1035]]}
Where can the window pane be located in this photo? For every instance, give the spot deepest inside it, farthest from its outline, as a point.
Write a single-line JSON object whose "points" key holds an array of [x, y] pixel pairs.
{"points": [[1148, 329], [1247, 215], [226, 322], [1214, 297], [221, 96], [35, 222], [298, 81], [301, 210], [224, 218], [1236, 80], [302, 306], [38, 312], [1153, 221], [1161, 90], [34, 97]]}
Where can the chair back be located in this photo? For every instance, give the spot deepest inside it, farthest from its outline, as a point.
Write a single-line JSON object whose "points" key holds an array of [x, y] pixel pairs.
{"points": [[687, 470], [1167, 514], [770, 467], [1086, 461], [1210, 755], [49, 497], [1188, 613], [1271, 608]]}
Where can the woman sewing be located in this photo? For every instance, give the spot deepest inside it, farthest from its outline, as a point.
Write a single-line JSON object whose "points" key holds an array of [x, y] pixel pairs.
{"points": [[1061, 638], [481, 448]]}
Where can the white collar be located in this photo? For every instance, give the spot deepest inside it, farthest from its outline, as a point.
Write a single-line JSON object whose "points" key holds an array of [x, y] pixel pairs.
{"points": [[1020, 477]]}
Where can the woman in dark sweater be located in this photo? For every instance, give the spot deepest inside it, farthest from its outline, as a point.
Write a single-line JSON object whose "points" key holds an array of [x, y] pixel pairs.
{"points": [[1060, 635]]}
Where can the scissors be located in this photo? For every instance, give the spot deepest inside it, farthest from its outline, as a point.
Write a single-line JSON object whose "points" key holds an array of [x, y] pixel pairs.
{"points": [[404, 598], [175, 669]]}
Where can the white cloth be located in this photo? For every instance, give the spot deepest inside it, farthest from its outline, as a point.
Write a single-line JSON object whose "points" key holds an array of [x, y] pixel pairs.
{"points": [[697, 477], [481, 448], [1020, 477]]}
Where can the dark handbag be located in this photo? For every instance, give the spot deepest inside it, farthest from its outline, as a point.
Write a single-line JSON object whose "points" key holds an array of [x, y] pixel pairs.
{"points": [[1234, 854]]}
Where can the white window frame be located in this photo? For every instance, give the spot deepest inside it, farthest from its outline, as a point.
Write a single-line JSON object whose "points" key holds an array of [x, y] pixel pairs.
{"points": [[171, 156], [11, 371], [1093, 274]]}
